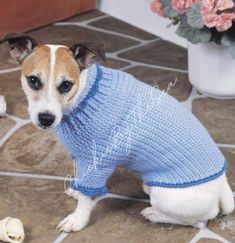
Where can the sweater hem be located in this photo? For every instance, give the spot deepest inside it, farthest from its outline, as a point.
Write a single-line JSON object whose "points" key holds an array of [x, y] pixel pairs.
{"points": [[191, 183], [88, 191]]}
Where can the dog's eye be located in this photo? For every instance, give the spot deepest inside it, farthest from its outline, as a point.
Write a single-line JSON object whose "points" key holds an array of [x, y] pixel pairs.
{"points": [[65, 86], [34, 82]]}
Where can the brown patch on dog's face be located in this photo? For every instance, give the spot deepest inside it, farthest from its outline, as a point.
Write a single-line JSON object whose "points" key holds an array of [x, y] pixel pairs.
{"points": [[66, 69], [36, 64]]}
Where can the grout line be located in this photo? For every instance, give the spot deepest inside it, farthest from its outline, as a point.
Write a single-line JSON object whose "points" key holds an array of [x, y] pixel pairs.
{"points": [[61, 237], [136, 63], [8, 70], [104, 16], [131, 65], [16, 119], [221, 145], [207, 233], [100, 30], [30, 175], [122, 197], [117, 196], [85, 22], [129, 48], [19, 123]]}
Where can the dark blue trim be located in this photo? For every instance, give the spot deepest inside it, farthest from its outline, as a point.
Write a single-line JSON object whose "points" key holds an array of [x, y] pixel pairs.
{"points": [[192, 183], [88, 191], [90, 90], [94, 88]]}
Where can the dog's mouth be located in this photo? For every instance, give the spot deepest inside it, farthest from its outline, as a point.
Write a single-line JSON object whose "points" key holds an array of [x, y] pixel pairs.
{"points": [[44, 128]]}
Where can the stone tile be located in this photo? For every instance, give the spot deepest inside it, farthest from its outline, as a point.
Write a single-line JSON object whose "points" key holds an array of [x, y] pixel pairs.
{"points": [[40, 204], [119, 26], [160, 53], [35, 151], [126, 182], [224, 226], [85, 16], [229, 154], [218, 116], [114, 63], [162, 79], [11, 88], [206, 240], [6, 60], [120, 221], [5, 125], [70, 35]]}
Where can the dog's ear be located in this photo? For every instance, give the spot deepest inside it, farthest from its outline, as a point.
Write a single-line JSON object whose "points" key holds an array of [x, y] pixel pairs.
{"points": [[86, 53], [20, 45]]}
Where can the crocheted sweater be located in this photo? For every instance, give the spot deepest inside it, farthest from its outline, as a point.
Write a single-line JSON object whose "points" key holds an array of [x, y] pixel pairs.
{"points": [[120, 121]]}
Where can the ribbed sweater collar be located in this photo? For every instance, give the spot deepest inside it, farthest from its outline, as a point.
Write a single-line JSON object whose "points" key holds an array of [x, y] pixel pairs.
{"points": [[94, 75], [93, 95]]}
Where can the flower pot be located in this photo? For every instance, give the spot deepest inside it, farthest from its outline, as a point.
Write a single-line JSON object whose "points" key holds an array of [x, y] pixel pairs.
{"points": [[212, 70]]}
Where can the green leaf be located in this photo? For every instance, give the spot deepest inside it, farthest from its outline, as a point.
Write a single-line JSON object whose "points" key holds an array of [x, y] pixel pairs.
{"points": [[168, 10], [229, 41], [191, 34], [194, 16]]}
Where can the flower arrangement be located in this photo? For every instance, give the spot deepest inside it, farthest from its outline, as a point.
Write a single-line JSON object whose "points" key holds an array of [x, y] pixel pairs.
{"points": [[201, 20]]}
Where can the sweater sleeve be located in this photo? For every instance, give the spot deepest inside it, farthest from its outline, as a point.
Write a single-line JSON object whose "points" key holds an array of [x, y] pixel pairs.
{"points": [[91, 177]]}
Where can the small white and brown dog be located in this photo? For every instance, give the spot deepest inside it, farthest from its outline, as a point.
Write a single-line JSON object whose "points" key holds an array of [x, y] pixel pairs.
{"points": [[53, 80]]}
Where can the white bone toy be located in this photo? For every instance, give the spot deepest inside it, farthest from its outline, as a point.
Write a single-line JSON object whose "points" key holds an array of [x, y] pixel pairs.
{"points": [[3, 106], [11, 230]]}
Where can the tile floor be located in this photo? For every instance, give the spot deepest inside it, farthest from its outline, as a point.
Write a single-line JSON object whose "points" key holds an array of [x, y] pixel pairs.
{"points": [[33, 165]]}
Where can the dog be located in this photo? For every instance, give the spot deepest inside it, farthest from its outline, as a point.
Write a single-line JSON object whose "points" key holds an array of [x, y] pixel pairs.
{"points": [[83, 102]]}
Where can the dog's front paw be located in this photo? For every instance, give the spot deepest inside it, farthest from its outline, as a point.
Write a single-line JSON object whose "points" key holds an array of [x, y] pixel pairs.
{"points": [[73, 222], [72, 193]]}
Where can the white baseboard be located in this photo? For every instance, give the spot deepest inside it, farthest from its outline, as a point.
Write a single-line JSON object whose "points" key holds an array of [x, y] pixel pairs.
{"points": [[138, 13]]}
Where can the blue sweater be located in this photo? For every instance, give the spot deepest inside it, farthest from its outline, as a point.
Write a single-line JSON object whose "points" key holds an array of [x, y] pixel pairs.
{"points": [[120, 121]]}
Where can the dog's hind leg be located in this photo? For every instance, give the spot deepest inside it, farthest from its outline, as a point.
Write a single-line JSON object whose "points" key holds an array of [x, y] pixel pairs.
{"points": [[156, 216], [226, 198], [192, 206]]}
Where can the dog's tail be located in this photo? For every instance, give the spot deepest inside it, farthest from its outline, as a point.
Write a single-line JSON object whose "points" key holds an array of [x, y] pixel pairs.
{"points": [[226, 199]]}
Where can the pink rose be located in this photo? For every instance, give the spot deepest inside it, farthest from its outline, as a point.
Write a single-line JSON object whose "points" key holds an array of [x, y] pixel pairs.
{"points": [[218, 13], [182, 6], [157, 7]]}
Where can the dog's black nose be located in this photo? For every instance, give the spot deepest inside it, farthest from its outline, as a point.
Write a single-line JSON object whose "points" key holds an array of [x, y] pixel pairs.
{"points": [[46, 119]]}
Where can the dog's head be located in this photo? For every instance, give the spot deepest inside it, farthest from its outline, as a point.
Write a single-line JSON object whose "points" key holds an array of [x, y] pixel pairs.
{"points": [[52, 76]]}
